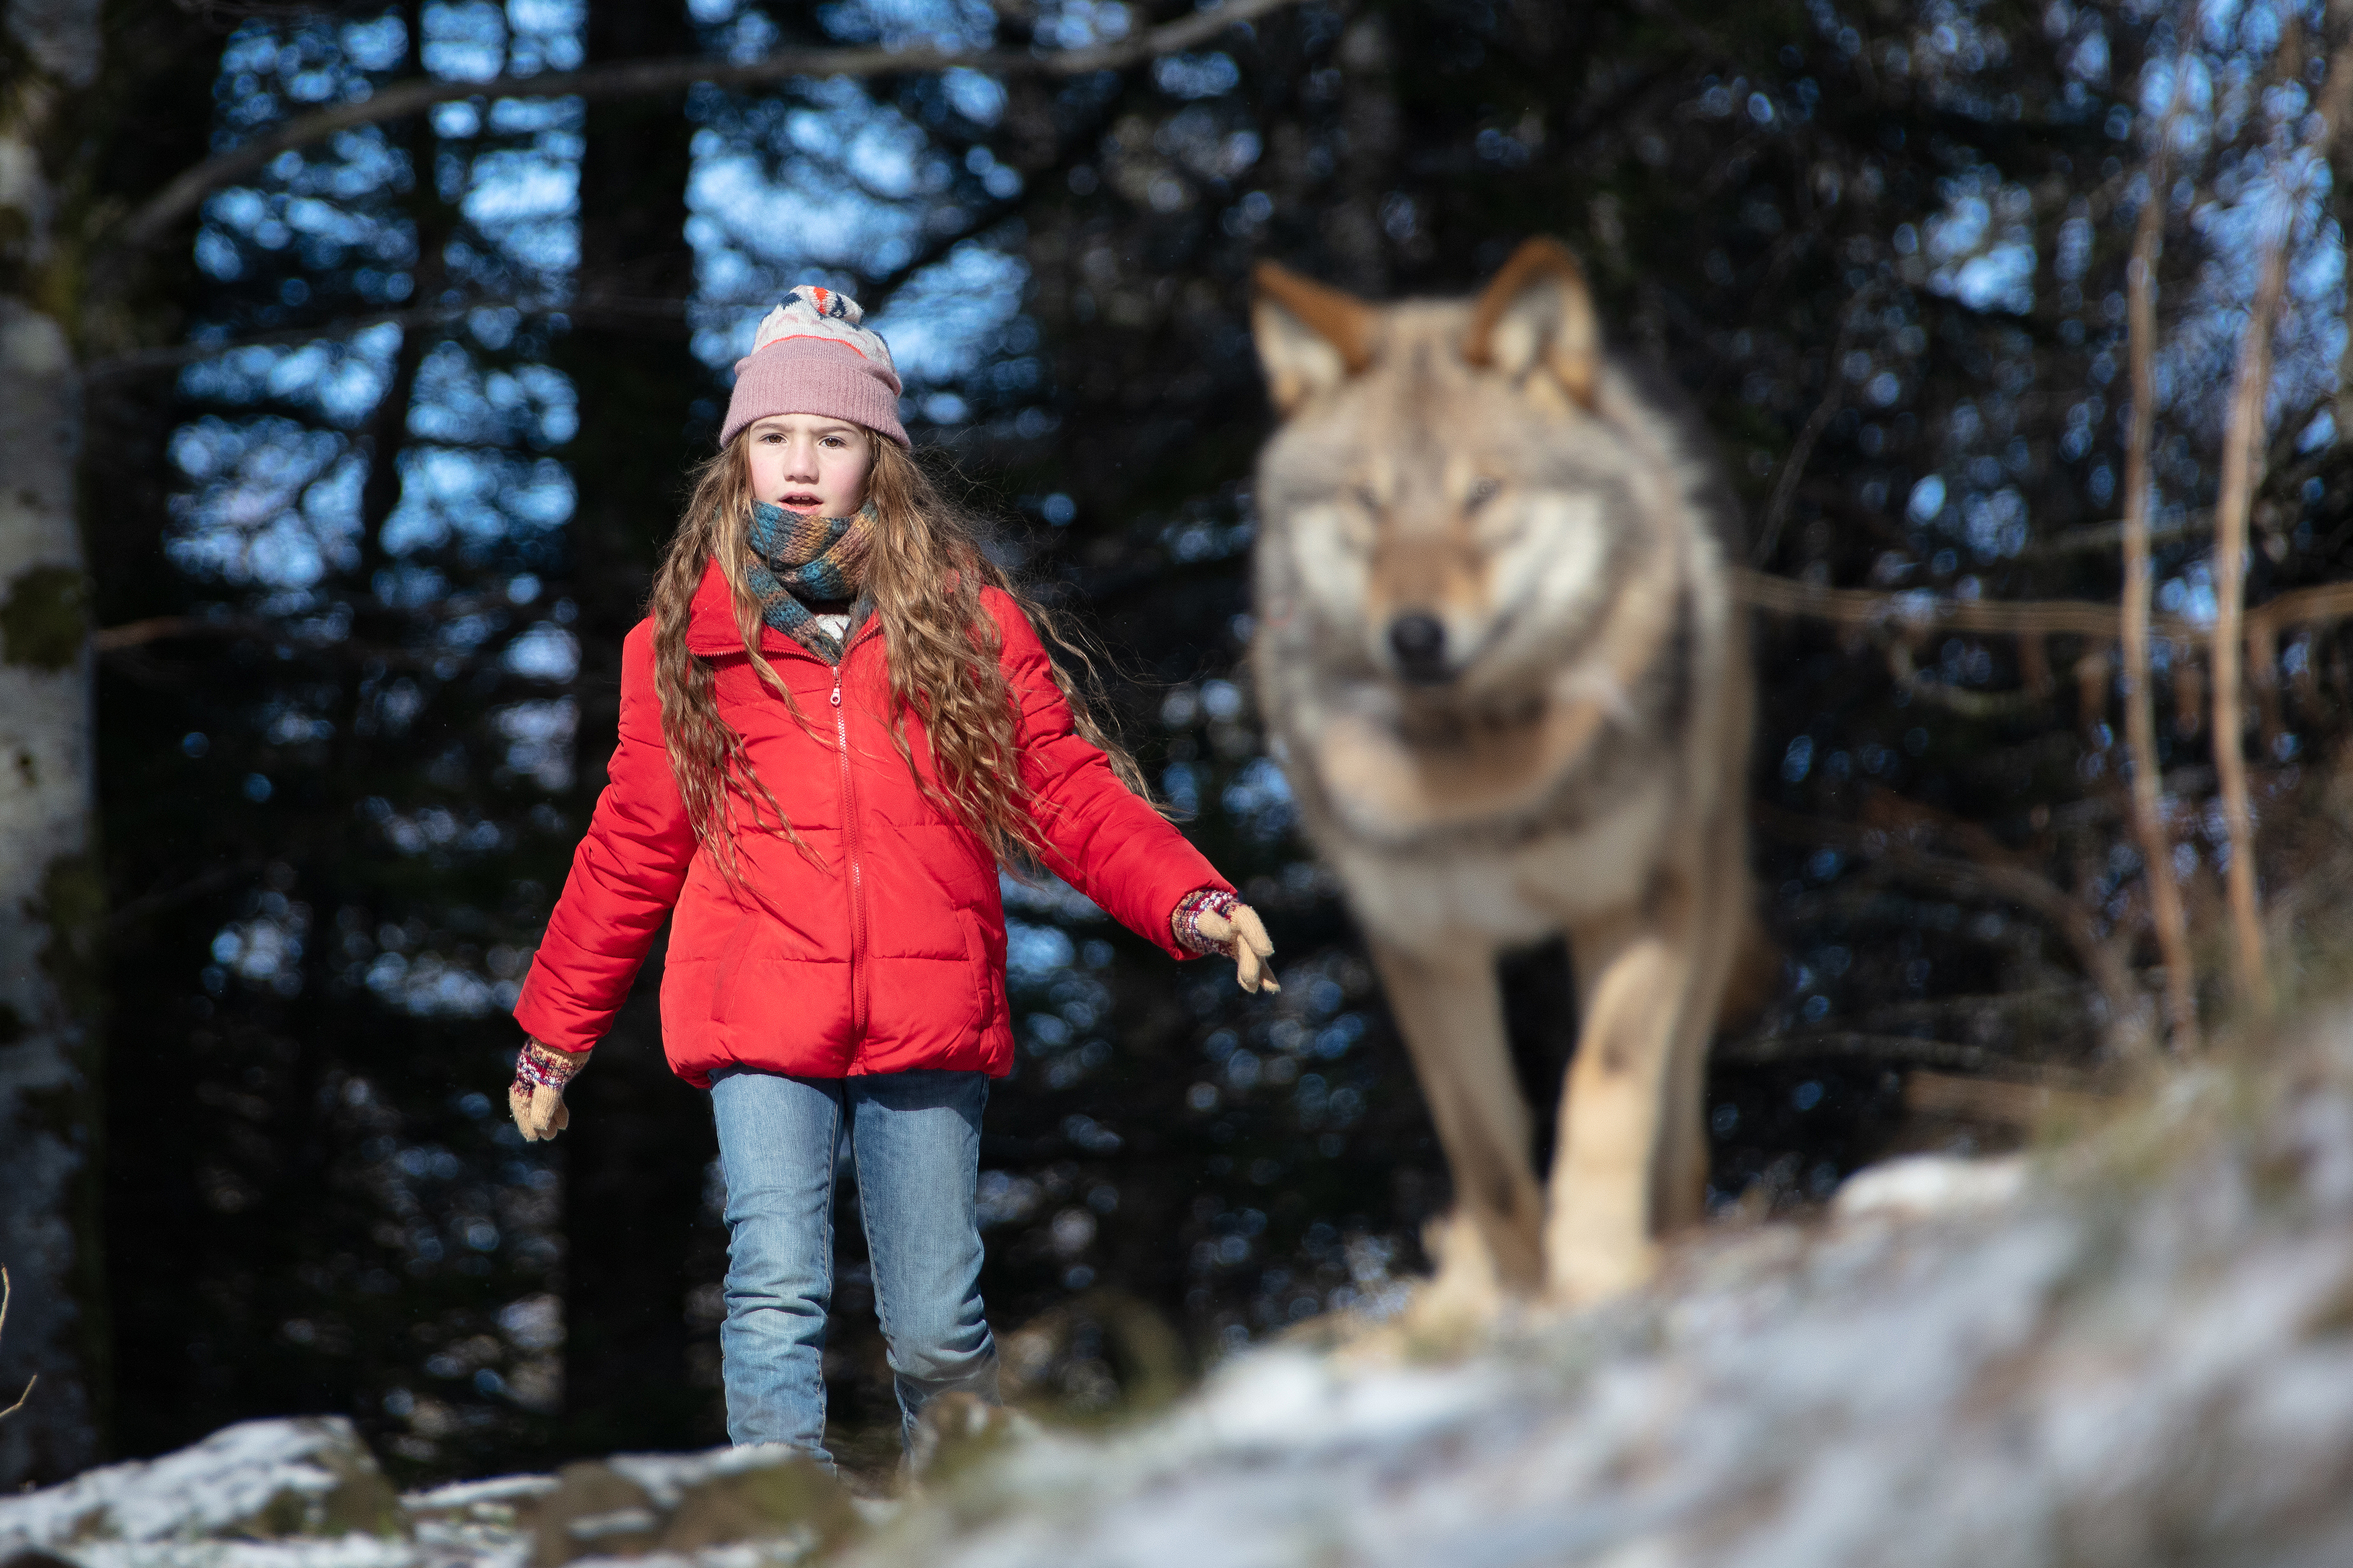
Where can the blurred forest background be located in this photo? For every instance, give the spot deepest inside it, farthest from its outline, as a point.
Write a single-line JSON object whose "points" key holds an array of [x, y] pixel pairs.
{"points": [[385, 332]]}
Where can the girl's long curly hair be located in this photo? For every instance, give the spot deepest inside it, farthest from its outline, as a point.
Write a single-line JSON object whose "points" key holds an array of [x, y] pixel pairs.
{"points": [[925, 572]]}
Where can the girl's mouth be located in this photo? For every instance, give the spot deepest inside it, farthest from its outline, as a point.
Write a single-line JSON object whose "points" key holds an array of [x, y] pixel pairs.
{"points": [[799, 500]]}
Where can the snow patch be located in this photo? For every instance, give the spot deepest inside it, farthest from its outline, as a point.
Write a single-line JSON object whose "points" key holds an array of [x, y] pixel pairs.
{"points": [[1920, 1184]]}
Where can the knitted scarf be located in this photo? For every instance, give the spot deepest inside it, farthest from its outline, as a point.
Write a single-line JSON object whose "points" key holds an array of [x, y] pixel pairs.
{"points": [[799, 560]]}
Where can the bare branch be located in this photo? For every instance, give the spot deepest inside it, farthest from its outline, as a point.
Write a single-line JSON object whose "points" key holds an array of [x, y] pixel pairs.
{"points": [[1959, 699], [174, 355], [1990, 873], [2004, 1103], [158, 628], [1793, 467], [1871, 607], [125, 641], [2243, 444], [1759, 1050], [591, 307], [2301, 607], [3, 1324], [2334, 102], [2108, 535], [647, 78], [578, 307], [2140, 711], [1923, 612]]}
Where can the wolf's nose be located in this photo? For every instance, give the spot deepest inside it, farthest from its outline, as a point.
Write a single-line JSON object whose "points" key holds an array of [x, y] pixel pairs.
{"points": [[1419, 640]]}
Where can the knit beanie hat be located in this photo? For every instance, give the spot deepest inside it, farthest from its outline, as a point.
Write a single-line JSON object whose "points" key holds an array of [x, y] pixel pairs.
{"points": [[810, 356]]}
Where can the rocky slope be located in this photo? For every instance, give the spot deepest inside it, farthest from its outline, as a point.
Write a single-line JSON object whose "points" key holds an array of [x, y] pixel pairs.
{"points": [[2136, 1348]]}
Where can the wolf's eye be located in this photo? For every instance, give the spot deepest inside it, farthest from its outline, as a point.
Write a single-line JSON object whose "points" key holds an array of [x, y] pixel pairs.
{"points": [[1482, 492], [1367, 499]]}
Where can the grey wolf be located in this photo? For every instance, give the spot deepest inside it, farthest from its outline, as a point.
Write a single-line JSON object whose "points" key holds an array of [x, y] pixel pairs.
{"points": [[1498, 652]]}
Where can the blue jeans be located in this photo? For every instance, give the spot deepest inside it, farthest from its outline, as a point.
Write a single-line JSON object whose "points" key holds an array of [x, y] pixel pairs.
{"points": [[915, 1139]]}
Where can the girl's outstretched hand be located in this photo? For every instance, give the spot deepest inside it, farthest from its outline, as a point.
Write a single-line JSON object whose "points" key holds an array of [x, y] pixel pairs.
{"points": [[536, 1096], [1243, 936], [539, 1110]]}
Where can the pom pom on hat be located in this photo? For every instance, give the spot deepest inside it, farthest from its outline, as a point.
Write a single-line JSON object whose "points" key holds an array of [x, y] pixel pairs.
{"points": [[811, 356], [809, 312]]}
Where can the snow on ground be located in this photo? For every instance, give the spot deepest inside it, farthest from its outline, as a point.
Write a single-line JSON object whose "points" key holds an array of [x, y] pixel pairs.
{"points": [[230, 1500], [2137, 1350]]}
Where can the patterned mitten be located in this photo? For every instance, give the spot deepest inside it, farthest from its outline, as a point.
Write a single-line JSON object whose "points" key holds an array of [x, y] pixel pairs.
{"points": [[536, 1097], [1210, 920]]}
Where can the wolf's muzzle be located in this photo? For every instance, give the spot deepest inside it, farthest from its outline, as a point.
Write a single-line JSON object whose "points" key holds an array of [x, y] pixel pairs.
{"points": [[1419, 641]]}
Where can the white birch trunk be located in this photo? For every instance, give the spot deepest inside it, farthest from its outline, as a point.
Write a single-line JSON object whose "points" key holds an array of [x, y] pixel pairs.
{"points": [[49, 892]]}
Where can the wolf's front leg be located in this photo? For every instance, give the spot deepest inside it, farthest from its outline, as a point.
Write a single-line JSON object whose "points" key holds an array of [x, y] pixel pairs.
{"points": [[1452, 1015], [1630, 1163]]}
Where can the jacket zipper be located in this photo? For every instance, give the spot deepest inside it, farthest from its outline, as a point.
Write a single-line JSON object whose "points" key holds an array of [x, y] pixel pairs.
{"points": [[857, 872]]}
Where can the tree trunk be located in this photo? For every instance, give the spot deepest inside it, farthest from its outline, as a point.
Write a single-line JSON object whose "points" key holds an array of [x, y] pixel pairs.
{"points": [[639, 1139], [50, 888]]}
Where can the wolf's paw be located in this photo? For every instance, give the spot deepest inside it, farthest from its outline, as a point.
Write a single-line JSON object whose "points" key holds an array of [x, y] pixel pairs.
{"points": [[1455, 1306], [1581, 1273]]}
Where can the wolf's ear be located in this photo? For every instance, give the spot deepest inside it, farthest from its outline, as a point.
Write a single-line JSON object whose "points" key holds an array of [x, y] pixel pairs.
{"points": [[1309, 337], [1537, 313]]}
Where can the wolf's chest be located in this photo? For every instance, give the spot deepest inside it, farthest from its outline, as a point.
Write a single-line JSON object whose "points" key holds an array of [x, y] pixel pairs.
{"points": [[1508, 894]]}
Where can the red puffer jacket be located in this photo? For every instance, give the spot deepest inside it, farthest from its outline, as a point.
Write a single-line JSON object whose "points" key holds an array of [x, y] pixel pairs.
{"points": [[888, 957]]}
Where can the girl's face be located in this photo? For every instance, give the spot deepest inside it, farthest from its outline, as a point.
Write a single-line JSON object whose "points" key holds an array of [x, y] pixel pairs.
{"points": [[810, 462]]}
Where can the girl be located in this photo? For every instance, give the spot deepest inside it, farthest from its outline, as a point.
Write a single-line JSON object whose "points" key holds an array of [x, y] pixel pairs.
{"points": [[836, 724]]}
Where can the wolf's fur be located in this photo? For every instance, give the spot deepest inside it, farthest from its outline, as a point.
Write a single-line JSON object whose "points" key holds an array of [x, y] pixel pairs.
{"points": [[1572, 762]]}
